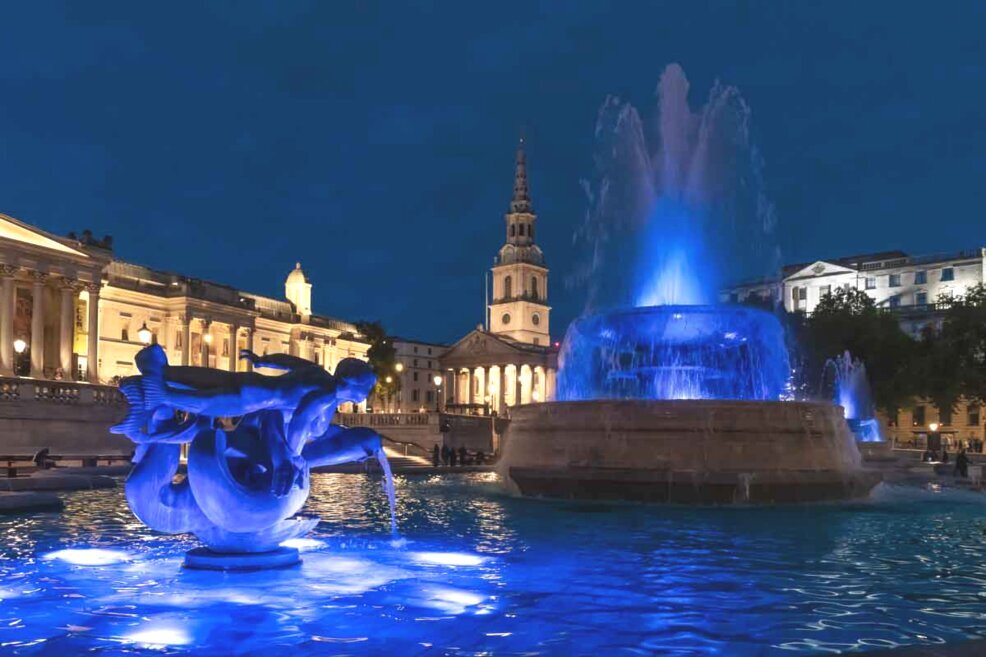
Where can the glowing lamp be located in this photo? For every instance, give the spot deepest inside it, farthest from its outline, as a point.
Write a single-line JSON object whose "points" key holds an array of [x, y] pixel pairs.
{"points": [[399, 367], [19, 346], [144, 334], [933, 426], [389, 379], [437, 380], [208, 338], [536, 396]]}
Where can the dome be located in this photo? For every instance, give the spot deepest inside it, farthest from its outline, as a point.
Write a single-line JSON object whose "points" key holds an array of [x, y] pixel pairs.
{"points": [[296, 275]]}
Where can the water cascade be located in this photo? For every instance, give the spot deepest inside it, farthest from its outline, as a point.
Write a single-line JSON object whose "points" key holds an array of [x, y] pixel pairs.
{"points": [[845, 376]]}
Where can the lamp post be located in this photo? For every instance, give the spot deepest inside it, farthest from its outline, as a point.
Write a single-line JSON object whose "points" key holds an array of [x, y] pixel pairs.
{"points": [[20, 346], [144, 334], [437, 380]]}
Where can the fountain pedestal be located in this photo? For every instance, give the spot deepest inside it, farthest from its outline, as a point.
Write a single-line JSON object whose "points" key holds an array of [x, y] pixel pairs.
{"points": [[684, 451], [205, 559]]}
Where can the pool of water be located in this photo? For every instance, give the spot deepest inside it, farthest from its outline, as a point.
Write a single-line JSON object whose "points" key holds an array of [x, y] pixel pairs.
{"points": [[483, 573]]}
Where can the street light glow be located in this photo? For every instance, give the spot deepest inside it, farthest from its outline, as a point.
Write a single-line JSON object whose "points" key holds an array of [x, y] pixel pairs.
{"points": [[437, 380], [144, 334], [399, 367], [19, 346]]}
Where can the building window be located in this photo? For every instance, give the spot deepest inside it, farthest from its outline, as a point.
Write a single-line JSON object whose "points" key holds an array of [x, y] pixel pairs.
{"points": [[429, 351], [508, 287], [415, 376], [948, 274], [415, 362], [506, 318], [945, 416], [429, 396], [972, 418], [895, 301], [920, 277], [921, 298], [513, 230], [802, 294], [824, 290], [537, 342], [894, 280], [871, 282], [918, 416], [125, 334], [415, 394], [534, 287], [520, 230], [535, 319], [415, 350]]}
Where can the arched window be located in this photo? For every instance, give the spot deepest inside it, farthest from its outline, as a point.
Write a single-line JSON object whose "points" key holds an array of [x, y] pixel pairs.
{"points": [[508, 284], [534, 288], [520, 229], [513, 230]]}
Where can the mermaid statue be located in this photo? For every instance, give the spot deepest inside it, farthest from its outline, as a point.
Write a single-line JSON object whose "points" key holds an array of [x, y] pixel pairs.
{"points": [[252, 440]]}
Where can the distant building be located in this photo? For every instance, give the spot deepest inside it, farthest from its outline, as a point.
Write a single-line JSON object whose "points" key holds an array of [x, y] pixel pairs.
{"points": [[417, 366], [514, 362], [78, 313], [908, 286]]}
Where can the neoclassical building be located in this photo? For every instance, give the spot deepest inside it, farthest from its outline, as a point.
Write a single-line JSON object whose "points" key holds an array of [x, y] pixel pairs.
{"points": [[74, 312], [512, 359]]}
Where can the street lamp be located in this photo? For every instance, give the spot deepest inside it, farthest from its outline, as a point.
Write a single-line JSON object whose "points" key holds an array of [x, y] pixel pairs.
{"points": [[389, 379], [208, 338], [144, 334], [399, 367], [19, 346], [933, 426], [437, 380]]}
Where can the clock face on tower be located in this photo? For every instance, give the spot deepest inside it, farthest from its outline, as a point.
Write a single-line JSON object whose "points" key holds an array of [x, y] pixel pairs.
{"points": [[506, 318], [536, 319]]}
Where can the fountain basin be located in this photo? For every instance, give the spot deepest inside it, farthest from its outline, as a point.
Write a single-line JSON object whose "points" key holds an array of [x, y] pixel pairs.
{"points": [[684, 451]]}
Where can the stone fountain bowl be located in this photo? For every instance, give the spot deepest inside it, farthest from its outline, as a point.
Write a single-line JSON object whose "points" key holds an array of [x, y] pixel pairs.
{"points": [[684, 451]]}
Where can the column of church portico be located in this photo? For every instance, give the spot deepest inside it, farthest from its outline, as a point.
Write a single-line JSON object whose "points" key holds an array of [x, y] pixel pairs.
{"points": [[469, 387], [234, 355], [37, 326], [484, 392], [92, 346], [186, 340], [518, 386], [66, 343], [247, 364], [7, 320], [552, 383], [502, 405], [204, 347]]}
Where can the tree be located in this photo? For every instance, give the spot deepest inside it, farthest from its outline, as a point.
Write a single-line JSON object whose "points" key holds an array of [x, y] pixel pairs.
{"points": [[382, 357], [848, 320], [956, 355]]}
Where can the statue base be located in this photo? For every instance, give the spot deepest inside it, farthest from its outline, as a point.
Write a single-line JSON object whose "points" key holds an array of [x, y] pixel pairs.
{"points": [[203, 558]]}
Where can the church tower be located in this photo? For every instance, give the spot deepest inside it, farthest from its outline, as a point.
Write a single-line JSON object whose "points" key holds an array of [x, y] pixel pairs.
{"points": [[520, 278]]}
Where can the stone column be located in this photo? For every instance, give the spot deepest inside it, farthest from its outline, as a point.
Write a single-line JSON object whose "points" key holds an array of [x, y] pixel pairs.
{"points": [[518, 386], [186, 339], [454, 377], [92, 348], [7, 320], [37, 326], [247, 364], [502, 406], [206, 331], [552, 382], [233, 351], [66, 341], [469, 386]]}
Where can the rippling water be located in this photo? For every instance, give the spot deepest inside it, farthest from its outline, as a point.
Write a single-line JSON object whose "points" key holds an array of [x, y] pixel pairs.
{"points": [[484, 573]]}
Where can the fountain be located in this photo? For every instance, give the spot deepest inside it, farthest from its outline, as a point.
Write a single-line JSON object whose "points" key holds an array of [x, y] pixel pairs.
{"points": [[664, 395], [252, 440], [845, 379]]}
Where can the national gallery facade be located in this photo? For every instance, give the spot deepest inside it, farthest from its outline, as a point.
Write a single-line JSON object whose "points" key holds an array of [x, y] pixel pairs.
{"points": [[70, 310]]}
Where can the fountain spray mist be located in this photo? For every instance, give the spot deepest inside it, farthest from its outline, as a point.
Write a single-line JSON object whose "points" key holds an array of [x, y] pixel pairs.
{"points": [[677, 207]]}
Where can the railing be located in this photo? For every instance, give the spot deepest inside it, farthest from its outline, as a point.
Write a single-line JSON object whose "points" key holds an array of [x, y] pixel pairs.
{"points": [[58, 392], [387, 419]]}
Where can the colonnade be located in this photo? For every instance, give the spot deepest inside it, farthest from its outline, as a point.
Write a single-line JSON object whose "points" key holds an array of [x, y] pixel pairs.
{"points": [[39, 282], [499, 386]]}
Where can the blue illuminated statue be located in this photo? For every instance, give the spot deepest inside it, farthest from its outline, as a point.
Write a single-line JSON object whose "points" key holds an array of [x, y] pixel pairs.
{"points": [[248, 476]]}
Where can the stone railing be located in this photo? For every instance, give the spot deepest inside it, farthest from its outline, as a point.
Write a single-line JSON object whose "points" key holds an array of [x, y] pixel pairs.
{"points": [[58, 392]]}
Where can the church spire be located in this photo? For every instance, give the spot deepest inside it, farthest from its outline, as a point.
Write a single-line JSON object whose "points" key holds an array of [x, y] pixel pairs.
{"points": [[521, 201]]}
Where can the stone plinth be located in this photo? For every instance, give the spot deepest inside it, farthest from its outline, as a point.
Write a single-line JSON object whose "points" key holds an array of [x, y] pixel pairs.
{"points": [[687, 451]]}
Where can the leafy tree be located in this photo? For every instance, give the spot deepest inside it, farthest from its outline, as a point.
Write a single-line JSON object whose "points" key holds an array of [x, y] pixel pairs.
{"points": [[955, 357], [382, 356], [848, 320]]}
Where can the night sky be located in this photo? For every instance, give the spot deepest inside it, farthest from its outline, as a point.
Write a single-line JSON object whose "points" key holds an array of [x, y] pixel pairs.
{"points": [[375, 143]]}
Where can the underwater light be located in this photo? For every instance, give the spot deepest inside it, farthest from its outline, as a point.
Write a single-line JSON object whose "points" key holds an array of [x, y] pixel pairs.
{"points": [[88, 556], [161, 636], [448, 558], [303, 543]]}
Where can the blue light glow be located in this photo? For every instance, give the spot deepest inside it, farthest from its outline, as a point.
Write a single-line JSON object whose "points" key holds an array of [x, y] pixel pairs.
{"points": [[448, 558], [160, 637], [89, 556]]}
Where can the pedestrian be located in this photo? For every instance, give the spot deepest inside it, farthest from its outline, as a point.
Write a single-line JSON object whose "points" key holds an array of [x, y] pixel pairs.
{"points": [[962, 464], [452, 455], [944, 454], [436, 455], [445, 455], [462, 456]]}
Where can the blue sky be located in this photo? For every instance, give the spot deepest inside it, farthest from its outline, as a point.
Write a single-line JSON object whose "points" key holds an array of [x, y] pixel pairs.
{"points": [[374, 141]]}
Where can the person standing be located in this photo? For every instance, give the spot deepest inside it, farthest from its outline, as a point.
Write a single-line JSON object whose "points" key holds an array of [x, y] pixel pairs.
{"points": [[436, 456], [452, 457], [962, 464]]}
